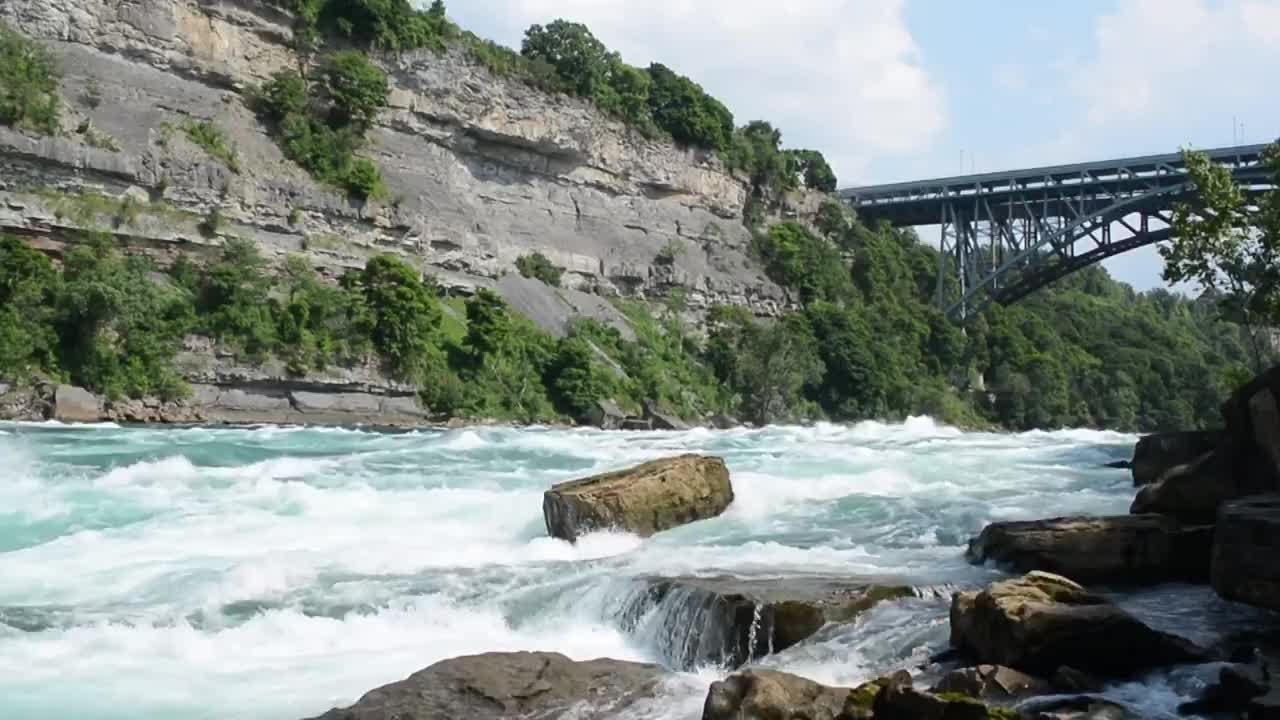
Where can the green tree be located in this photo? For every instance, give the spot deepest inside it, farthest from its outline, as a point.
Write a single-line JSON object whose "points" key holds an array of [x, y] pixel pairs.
{"points": [[581, 61], [402, 315], [813, 167], [577, 378], [682, 108], [357, 88], [29, 288], [1227, 243]]}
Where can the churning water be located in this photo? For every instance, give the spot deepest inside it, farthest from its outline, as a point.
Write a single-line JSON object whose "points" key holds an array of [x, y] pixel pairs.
{"points": [[273, 573]]}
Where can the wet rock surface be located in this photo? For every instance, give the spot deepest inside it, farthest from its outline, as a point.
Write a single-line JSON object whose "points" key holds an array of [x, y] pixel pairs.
{"points": [[644, 500], [510, 686], [1155, 454], [767, 694], [1193, 492], [1122, 549], [728, 621], [991, 681], [1245, 552], [1041, 622]]}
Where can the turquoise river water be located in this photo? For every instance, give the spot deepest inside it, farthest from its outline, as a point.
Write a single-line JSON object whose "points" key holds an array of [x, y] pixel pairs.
{"points": [[272, 573]]}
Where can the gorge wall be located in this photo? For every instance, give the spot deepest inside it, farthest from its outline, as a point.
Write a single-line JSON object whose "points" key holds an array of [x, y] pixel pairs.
{"points": [[481, 169]]}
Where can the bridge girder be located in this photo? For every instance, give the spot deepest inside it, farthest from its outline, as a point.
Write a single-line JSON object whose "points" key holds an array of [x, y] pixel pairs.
{"points": [[1009, 234]]}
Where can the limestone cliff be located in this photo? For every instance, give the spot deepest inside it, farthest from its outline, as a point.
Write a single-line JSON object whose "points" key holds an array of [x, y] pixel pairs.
{"points": [[481, 169]]}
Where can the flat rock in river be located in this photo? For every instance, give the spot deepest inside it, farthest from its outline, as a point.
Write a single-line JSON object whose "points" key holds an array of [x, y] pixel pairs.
{"points": [[1119, 549], [1040, 622], [729, 621], [510, 686], [644, 500]]}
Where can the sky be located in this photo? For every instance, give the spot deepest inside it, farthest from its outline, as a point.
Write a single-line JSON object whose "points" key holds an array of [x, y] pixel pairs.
{"points": [[895, 90]]}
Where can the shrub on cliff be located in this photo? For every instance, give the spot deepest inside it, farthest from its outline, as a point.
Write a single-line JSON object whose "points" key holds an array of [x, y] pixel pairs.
{"points": [[356, 87], [324, 138], [538, 267], [28, 84]]}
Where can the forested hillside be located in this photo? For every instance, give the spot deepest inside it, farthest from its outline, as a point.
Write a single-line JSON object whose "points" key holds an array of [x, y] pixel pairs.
{"points": [[867, 344]]}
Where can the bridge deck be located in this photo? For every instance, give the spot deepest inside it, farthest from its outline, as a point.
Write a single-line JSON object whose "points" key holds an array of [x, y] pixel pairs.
{"points": [[1050, 191]]}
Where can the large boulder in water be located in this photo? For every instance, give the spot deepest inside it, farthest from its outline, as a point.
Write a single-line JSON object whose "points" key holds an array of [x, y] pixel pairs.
{"points": [[729, 621], [498, 686], [653, 497], [1155, 454], [1193, 492], [1123, 549], [1245, 551], [1040, 622]]}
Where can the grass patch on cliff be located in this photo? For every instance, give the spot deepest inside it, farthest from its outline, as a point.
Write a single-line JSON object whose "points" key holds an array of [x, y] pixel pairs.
{"points": [[29, 80], [214, 141]]}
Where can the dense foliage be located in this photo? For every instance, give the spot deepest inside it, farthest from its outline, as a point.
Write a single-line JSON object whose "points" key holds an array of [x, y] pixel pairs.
{"points": [[538, 267], [28, 84], [1087, 352], [1229, 241], [321, 129]]}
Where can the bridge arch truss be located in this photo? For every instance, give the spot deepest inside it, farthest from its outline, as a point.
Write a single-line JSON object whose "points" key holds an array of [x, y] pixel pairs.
{"points": [[1009, 234]]}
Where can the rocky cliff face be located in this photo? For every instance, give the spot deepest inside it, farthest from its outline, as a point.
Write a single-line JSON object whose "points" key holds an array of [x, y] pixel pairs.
{"points": [[481, 170]]}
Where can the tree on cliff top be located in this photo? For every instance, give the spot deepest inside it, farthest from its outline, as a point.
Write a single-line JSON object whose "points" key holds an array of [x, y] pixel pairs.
{"points": [[1229, 242]]}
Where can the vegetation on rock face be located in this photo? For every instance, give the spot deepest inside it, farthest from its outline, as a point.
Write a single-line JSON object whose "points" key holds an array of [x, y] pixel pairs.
{"points": [[538, 267], [28, 84], [323, 137], [214, 141]]}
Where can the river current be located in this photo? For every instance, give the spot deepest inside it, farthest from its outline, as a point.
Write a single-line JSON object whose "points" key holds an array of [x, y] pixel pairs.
{"points": [[272, 573]]}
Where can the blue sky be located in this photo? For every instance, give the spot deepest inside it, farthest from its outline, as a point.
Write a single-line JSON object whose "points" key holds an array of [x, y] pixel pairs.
{"points": [[909, 89]]}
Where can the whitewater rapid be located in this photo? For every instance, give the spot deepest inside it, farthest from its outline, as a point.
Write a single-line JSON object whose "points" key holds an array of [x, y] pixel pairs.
{"points": [[272, 573]]}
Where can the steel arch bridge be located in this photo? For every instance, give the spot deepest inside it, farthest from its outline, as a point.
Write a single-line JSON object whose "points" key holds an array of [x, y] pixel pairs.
{"points": [[1008, 234]]}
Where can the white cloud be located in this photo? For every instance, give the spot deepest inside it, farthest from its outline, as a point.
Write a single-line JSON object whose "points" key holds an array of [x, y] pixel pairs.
{"points": [[841, 76], [1188, 57]]}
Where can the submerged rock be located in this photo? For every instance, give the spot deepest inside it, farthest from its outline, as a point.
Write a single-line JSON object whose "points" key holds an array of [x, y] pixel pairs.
{"points": [[1040, 622], [1236, 688], [1155, 454], [1083, 707], [1122, 549], [501, 686], [650, 498], [1245, 551], [729, 621]]}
